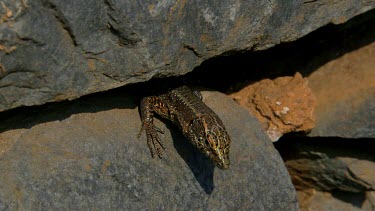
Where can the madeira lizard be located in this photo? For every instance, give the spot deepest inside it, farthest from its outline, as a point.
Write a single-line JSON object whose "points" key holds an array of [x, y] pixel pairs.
{"points": [[195, 119]]}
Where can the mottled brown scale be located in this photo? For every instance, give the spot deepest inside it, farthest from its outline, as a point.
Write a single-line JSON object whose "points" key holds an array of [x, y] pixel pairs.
{"points": [[195, 119]]}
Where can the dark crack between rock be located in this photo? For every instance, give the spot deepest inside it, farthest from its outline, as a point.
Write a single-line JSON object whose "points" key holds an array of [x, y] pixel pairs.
{"points": [[192, 49]]}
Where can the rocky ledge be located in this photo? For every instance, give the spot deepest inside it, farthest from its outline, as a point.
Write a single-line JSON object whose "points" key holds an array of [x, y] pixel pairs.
{"points": [[54, 50], [85, 155]]}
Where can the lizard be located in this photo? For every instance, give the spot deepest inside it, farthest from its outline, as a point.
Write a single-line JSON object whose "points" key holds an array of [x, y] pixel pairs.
{"points": [[197, 122]]}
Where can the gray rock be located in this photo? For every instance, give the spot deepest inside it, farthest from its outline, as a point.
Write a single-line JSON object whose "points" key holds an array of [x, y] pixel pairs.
{"points": [[54, 50], [330, 164], [85, 155], [316, 200]]}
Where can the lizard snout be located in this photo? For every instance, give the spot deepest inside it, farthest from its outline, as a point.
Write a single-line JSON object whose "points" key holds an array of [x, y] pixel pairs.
{"points": [[221, 160]]}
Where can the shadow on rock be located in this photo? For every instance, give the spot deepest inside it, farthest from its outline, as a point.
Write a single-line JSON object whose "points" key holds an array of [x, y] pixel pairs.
{"points": [[27, 117], [356, 199], [293, 147], [324, 45], [200, 165], [330, 164]]}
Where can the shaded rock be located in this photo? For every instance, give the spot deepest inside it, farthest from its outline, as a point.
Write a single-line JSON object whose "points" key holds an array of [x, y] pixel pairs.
{"points": [[316, 200], [370, 201], [330, 164], [85, 155], [283, 105], [345, 92], [54, 50]]}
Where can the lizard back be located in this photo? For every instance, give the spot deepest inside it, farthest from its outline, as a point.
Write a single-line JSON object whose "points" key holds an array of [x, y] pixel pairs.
{"points": [[196, 120]]}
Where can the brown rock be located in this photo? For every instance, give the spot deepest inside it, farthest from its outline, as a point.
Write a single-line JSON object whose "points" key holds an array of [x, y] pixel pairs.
{"points": [[345, 92], [316, 200], [369, 204], [283, 105]]}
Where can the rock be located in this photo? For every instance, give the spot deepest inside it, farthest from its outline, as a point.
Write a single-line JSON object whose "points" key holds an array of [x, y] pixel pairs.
{"points": [[316, 200], [283, 105], [369, 204], [85, 155], [55, 50], [345, 92], [330, 164]]}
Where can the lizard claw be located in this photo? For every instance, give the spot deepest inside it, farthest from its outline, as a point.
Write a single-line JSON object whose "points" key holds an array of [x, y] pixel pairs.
{"points": [[154, 143], [159, 130], [154, 127], [140, 131]]}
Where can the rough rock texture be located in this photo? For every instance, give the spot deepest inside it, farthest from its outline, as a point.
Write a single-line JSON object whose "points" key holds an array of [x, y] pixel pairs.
{"points": [[52, 50], [331, 173], [345, 91], [330, 164], [283, 105], [315, 200], [85, 155]]}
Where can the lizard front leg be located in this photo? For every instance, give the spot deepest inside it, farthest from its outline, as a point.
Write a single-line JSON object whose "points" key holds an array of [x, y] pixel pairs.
{"points": [[147, 110]]}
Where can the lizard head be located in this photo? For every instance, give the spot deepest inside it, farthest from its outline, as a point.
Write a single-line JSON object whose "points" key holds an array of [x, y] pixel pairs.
{"points": [[208, 134]]}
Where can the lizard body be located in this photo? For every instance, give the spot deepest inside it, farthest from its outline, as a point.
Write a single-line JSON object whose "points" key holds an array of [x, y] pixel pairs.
{"points": [[196, 120]]}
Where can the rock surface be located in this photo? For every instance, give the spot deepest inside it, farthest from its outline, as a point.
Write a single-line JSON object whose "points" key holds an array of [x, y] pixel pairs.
{"points": [[53, 50], [283, 105], [331, 173], [315, 200], [85, 155], [330, 164], [345, 91]]}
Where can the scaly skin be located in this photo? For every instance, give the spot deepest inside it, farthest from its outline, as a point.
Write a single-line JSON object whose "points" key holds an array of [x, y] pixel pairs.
{"points": [[196, 120]]}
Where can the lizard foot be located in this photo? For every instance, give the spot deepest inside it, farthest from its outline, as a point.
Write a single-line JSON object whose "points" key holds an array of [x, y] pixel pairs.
{"points": [[154, 143]]}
